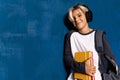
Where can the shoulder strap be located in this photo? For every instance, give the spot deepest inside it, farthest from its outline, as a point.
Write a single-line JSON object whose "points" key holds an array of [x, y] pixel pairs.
{"points": [[98, 41], [99, 47]]}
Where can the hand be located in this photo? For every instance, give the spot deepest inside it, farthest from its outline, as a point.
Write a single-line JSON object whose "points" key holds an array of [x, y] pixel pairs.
{"points": [[90, 68]]}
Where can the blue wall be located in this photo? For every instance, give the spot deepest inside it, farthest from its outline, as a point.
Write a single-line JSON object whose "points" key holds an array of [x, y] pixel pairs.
{"points": [[32, 35]]}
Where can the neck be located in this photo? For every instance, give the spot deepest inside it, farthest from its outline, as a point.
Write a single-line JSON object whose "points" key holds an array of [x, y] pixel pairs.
{"points": [[85, 30]]}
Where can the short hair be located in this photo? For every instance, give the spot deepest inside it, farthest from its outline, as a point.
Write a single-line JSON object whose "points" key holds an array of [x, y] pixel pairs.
{"points": [[85, 9]]}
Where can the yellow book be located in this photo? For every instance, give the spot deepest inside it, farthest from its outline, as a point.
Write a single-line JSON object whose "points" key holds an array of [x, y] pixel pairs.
{"points": [[81, 57]]}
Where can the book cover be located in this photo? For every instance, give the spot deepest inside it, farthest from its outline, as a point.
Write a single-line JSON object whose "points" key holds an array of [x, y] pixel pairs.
{"points": [[81, 57]]}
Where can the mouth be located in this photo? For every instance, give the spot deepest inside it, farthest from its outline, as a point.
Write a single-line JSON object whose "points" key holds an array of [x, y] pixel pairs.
{"points": [[78, 23]]}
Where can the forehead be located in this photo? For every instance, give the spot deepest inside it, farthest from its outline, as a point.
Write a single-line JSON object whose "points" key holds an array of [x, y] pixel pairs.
{"points": [[77, 11]]}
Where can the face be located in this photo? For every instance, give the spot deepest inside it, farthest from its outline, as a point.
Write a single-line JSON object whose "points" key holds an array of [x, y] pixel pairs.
{"points": [[80, 21]]}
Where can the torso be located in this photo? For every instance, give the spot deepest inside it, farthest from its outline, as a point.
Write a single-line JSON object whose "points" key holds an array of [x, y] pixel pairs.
{"points": [[85, 42]]}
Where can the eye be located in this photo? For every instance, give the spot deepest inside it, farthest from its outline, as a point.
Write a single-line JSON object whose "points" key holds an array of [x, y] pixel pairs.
{"points": [[79, 15]]}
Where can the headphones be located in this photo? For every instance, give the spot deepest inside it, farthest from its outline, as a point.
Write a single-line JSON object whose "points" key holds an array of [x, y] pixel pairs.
{"points": [[88, 14]]}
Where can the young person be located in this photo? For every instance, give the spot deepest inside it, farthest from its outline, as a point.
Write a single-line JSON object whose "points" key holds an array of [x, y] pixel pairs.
{"points": [[83, 39]]}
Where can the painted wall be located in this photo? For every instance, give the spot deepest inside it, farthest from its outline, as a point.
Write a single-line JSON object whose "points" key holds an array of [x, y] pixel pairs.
{"points": [[32, 35]]}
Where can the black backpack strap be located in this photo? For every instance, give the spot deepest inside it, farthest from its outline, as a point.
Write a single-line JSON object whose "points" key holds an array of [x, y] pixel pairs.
{"points": [[100, 49], [98, 41]]}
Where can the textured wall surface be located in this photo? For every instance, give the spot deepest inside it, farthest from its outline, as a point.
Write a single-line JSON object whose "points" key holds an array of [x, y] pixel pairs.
{"points": [[32, 35]]}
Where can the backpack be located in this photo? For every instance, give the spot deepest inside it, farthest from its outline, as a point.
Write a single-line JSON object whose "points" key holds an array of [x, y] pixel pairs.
{"points": [[100, 49]]}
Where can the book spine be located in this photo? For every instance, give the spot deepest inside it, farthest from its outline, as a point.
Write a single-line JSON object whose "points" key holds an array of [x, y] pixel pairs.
{"points": [[92, 63]]}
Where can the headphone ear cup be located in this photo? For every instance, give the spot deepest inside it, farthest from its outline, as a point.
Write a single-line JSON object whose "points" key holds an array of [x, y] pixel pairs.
{"points": [[89, 16]]}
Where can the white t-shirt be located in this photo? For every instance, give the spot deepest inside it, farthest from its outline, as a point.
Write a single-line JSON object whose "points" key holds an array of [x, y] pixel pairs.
{"points": [[85, 42]]}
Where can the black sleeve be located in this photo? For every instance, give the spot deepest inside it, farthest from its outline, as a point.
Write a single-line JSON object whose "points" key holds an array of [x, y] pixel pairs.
{"points": [[107, 48], [109, 53], [69, 62]]}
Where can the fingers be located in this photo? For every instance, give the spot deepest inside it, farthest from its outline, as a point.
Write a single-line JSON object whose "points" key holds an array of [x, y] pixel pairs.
{"points": [[93, 71], [93, 68], [90, 70], [91, 74], [89, 61]]}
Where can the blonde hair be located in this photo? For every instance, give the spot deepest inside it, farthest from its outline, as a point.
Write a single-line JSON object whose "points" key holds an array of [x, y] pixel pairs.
{"points": [[81, 7]]}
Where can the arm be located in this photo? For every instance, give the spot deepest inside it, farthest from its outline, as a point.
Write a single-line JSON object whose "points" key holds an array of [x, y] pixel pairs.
{"points": [[69, 62], [109, 53], [107, 48]]}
